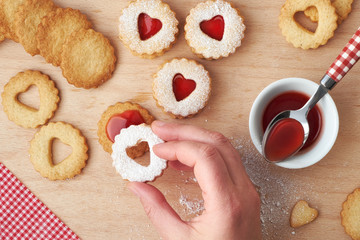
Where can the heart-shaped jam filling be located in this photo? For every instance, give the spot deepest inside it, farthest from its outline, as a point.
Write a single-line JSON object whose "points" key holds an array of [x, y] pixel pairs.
{"points": [[214, 27], [182, 87], [123, 120], [148, 26]]}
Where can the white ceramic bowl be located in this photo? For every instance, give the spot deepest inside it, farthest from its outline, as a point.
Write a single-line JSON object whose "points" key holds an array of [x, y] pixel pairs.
{"points": [[330, 121]]}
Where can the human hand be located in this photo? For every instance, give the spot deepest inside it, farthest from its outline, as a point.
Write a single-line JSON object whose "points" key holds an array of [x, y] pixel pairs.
{"points": [[232, 205]]}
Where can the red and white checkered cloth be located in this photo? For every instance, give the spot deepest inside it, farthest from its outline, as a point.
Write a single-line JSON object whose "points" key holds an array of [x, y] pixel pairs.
{"points": [[24, 216], [346, 59]]}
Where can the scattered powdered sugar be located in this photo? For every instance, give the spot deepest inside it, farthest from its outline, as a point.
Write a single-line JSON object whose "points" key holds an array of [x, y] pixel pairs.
{"points": [[127, 167], [163, 87], [205, 45], [278, 190], [128, 26], [192, 206]]}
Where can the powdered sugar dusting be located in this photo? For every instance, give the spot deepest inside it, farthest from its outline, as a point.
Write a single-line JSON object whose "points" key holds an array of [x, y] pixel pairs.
{"points": [[163, 87], [194, 206], [127, 167], [205, 45], [278, 190], [128, 26]]}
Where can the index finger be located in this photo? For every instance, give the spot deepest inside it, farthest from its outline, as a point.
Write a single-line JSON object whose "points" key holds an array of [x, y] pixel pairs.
{"points": [[181, 132], [209, 167]]}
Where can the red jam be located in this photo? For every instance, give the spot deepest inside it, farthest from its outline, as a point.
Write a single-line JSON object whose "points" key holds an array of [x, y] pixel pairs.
{"points": [[214, 27], [292, 101], [182, 87], [148, 26], [123, 120], [285, 138]]}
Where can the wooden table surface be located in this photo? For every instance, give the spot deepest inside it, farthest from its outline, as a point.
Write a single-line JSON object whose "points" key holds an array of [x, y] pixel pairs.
{"points": [[97, 205]]}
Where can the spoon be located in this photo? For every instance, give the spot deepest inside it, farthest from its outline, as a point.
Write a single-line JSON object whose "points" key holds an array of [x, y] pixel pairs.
{"points": [[288, 131]]}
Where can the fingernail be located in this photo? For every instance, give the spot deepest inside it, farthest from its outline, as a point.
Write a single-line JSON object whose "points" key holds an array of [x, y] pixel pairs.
{"points": [[158, 123], [134, 191]]}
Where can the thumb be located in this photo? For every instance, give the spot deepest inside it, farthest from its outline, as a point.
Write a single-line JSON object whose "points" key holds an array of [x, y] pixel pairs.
{"points": [[161, 214]]}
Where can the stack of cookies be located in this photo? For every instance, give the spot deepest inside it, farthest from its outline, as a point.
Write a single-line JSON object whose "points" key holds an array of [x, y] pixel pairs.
{"points": [[62, 36]]}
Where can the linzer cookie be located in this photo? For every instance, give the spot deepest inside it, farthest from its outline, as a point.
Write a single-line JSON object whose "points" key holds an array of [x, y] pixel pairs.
{"points": [[118, 117], [181, 87], [127, 167], [148, 27], [214, 29]]}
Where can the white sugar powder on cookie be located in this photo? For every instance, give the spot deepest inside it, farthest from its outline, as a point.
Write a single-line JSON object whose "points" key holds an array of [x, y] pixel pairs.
{"points": [[163, 87], [205, 45], [128, 27], [127, 167]]}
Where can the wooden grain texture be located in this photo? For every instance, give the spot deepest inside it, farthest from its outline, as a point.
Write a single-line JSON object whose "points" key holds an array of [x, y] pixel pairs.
{"points": [[97, 205]]}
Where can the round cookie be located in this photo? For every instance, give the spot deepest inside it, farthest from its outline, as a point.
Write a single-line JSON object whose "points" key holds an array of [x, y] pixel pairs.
{"points": [[24, 115], [9, 8], [55, 28], [127, 167], [88, 59], [181, 87], [27, 19], [298, 35], [40, 151], [214, 29], [343, 8], [350, 214], [148, 27], [107, 140]]}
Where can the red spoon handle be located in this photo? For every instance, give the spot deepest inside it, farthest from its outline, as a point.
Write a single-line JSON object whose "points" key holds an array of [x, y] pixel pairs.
{"points": [[346, 59]]}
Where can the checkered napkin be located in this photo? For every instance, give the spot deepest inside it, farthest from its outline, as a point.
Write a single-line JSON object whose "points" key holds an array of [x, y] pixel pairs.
{"points": [[24, 216], [346, 59]]}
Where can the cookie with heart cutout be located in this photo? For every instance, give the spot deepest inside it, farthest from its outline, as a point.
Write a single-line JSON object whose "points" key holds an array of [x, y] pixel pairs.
{"points": [[181, 87], [214, 29], [127, 167], [118, 117], [22, 114], [41, 155], [148, 28]]}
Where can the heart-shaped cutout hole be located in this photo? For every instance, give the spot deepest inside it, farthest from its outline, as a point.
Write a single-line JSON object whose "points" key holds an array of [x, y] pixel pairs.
{"points": [[182, 87], [305, 22], [140, 153], [148, 26], [59, 151], [122, 120], [214, 27], [30, 97]]}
